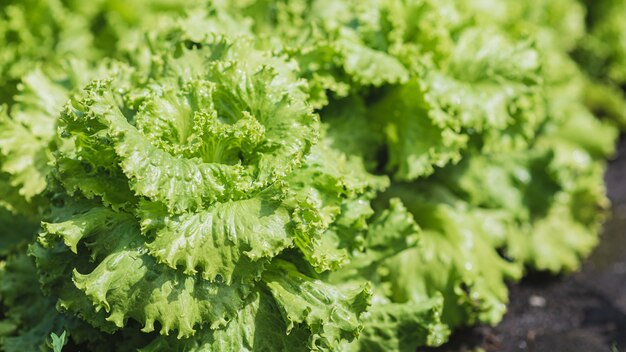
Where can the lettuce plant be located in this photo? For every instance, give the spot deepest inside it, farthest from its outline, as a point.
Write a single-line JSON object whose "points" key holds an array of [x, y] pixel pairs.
{"points": [[286, 175]]}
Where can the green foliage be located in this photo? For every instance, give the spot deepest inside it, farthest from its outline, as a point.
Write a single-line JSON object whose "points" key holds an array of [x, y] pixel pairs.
{"points": [[58, 341], [295, 174]]}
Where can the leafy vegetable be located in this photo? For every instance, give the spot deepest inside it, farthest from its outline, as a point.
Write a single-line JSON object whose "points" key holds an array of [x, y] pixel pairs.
{"points": [[297, 174]]}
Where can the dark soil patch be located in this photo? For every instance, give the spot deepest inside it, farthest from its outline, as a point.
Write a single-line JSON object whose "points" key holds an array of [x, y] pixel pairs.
{"points": [[582, 312]]}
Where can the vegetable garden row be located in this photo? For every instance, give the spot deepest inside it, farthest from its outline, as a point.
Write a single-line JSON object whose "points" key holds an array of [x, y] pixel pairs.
{"points": [[340, 175]]}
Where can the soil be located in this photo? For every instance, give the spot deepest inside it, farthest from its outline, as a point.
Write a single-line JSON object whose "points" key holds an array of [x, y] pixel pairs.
{"points": [[581, 312]]}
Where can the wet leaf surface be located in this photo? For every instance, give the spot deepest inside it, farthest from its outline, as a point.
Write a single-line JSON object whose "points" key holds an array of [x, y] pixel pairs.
{"points": [[582, 312]]}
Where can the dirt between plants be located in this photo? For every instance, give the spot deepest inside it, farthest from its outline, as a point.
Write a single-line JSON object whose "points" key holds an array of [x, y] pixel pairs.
{"points": [[581, 312]]}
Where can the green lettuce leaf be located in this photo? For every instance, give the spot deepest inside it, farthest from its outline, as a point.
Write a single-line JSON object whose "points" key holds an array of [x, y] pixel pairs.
{"points": [[128, 283], [229, 242], [330, 312], [258, 326], [456, 257]]}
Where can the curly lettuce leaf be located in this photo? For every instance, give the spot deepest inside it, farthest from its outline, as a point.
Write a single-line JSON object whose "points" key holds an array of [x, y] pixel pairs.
{"points": [[456, 257], [37, 31], [28, 138], [330, 195], [229, 242], [24, 158], [392, 324], [331, 312], [416, 144], [402, 326], [556, 186], [258, 326], [555, 24], [291, 311], [128, 283]]}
